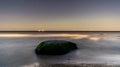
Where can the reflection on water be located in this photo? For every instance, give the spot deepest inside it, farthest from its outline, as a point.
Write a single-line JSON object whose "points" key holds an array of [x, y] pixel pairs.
{"points": [[75, 36], [94, 38], [14, 35], [32, 65], [17, 50]]}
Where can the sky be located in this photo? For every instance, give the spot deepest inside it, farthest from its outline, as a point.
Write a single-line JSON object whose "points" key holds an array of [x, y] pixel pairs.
{"points": [[60, 15]]}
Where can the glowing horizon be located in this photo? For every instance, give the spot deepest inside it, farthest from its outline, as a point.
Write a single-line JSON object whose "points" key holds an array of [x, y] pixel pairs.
{"points": [[60, 15]]}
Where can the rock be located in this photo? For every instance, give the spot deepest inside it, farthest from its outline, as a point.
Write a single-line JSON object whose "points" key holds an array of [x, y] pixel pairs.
{"points": [[55, 47]]}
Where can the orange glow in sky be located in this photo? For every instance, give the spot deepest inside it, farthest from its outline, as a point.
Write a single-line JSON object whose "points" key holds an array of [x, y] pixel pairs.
{"points": [[60, 15]]}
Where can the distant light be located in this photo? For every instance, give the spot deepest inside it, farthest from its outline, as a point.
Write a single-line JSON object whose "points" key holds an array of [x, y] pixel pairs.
{"points": [[41, 30]]}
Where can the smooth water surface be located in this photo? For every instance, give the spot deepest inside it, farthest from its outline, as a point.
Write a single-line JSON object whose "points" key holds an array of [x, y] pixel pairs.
{"points": [[17, 49]]}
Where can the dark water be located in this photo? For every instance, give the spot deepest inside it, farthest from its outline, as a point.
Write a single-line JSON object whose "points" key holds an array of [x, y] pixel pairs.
{"points": [[17, 49]]}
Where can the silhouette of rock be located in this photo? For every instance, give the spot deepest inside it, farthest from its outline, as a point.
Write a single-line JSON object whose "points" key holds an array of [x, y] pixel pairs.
{"points": [[55, 47]]}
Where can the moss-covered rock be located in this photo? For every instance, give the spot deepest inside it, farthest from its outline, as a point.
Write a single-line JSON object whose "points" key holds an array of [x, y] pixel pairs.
{"points": [[55, 47]]}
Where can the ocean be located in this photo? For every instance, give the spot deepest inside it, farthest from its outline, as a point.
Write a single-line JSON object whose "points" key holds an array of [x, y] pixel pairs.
{"points": [[17, 48]]}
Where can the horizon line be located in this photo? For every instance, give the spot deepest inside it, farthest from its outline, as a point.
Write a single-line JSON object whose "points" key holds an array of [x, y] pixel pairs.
{"points": [[58, 31]]}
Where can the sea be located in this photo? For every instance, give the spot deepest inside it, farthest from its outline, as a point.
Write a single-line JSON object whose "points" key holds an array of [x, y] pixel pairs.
{"points": [[17, 49]]}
